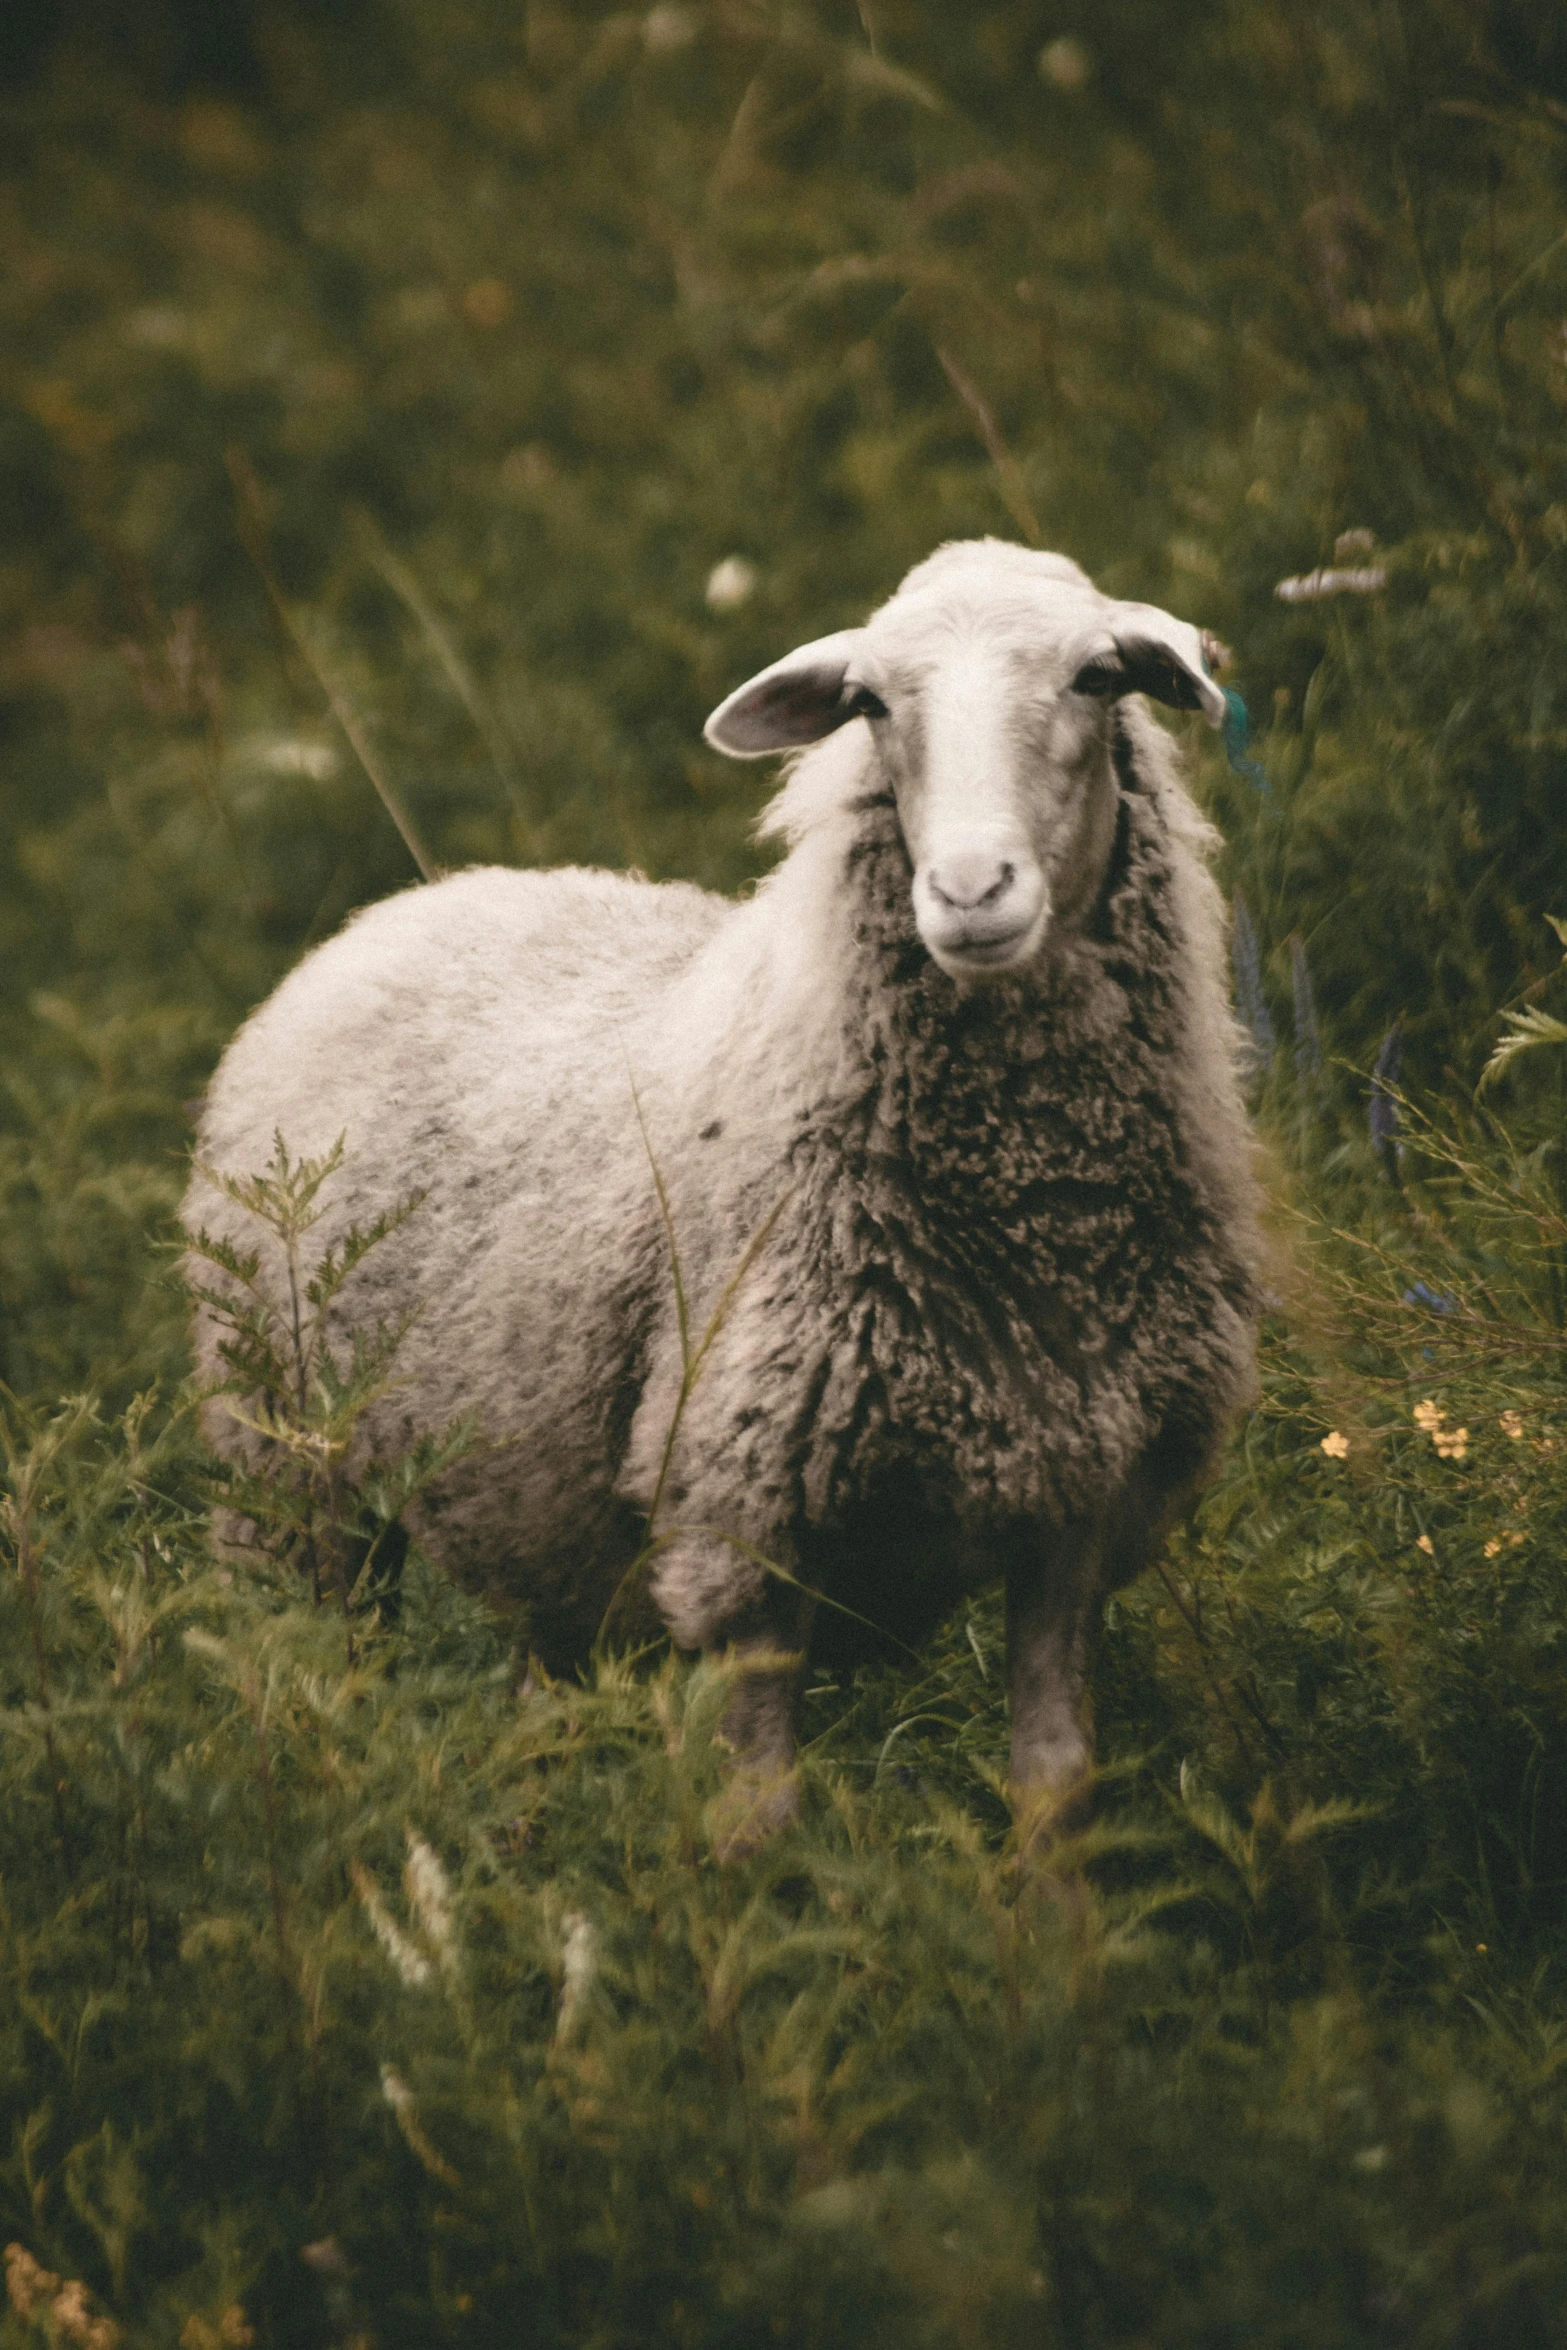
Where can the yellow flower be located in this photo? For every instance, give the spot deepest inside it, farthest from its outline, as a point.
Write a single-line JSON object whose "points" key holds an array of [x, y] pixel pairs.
{"points": [[1493, 1546], [1335, 1445], [27, 2283], [1451, 1443], [1425, 1543], [1512, 1425]]}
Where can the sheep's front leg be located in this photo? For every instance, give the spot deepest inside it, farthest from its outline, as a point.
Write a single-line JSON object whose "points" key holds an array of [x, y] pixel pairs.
{"points": [[717, 1598], [1052, 1614], [767, 1653]]}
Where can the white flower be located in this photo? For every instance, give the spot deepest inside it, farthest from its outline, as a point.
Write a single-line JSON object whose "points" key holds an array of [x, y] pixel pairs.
{"points": [[1065, 64], [666, 29], [287, 755], [411, 1964], [731, 584], [1312, 584], [578, 1966], [430, 1897]]}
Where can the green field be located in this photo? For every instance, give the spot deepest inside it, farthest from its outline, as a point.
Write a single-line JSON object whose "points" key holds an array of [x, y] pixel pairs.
{"points": [[413, 418]]}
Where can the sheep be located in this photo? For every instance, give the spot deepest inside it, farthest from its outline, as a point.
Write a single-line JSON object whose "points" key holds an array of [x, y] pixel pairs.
{"points": [[943, 1123]]}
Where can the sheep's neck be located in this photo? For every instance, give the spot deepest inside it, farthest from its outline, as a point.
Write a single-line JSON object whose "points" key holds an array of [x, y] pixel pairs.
{"points": [[987, 1113]]}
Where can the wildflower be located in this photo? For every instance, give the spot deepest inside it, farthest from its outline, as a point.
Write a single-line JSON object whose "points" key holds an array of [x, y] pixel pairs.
{"points": [[1335, 1444], [667, 29], [730, 584], [579, 1964], [1512, 1425], [1425, 1543], [1452, 1444], [26, 2282], [326, 2256], [1435, 1301], [29, 2286], [72, 2321], [430, 1893], [411, 1964], [1310, 585], [1066, 64], [1493, 1546], [292, 755]]}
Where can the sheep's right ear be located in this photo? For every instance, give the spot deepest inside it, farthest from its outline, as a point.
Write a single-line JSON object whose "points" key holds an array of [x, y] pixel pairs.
{"points": [[798, 700]]}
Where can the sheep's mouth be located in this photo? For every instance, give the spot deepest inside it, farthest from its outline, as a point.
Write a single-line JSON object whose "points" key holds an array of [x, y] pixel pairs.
{"points": [[999, 951]]}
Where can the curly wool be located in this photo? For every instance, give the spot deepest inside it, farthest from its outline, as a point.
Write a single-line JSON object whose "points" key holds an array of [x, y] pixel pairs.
{"points": [[1005, 1270]]}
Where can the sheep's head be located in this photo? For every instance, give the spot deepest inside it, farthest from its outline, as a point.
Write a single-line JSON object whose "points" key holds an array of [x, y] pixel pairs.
{"points": [[985, 687]]}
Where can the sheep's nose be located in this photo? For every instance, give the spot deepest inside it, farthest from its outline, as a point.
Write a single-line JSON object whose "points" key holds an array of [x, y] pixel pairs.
{"points": [[968, 879]]}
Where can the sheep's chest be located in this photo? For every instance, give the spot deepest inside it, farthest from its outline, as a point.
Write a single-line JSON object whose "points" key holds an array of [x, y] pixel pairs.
{"points": [[1024, 1275]]}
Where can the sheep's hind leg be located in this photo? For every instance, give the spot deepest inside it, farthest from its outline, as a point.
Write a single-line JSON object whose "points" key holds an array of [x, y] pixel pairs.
{"points": [[1052, 1614]]}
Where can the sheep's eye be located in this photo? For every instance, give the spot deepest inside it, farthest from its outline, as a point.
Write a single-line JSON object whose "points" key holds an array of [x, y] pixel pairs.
{"points": [[864, 704]]}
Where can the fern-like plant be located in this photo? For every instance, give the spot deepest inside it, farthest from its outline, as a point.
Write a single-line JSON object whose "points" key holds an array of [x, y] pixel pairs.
{"points": [[301, 1379]]}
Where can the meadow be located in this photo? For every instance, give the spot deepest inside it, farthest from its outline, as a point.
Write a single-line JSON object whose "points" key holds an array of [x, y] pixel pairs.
{"points": [[413, 418]]}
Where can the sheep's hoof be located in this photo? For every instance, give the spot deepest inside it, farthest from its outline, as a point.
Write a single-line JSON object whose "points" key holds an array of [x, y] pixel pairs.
{"points": [[751, 1808]]}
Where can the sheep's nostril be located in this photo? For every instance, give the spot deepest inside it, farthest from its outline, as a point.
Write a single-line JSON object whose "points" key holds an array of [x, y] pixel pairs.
{"points": [[967, 882]]}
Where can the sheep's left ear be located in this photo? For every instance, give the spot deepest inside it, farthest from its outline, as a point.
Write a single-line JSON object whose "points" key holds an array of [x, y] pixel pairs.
{"points": [[1141, 650], [798, 700]]}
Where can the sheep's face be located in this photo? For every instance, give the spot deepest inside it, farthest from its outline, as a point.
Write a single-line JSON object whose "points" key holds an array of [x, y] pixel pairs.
{"points": [[983, 686]]}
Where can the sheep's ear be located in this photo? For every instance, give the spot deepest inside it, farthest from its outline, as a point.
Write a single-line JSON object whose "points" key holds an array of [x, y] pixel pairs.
{"points": [[798, 700], [1141, 650]]}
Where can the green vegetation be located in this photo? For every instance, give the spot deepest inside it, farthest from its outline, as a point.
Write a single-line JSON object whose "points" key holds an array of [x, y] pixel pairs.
{"points": [[380, 389]]}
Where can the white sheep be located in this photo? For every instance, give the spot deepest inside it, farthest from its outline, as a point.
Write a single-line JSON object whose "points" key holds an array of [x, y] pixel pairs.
{"points": [[959, 1076]]}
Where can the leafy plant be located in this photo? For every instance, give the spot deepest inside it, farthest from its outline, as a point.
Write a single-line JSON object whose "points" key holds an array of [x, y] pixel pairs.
{"points": [[301, 1387]]}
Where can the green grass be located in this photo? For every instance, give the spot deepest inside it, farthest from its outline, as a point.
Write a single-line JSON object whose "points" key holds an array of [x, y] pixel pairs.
{"points": [[414, 366], [360, 1986]]}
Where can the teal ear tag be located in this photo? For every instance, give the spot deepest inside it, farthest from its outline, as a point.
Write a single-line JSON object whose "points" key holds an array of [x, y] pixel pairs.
{"points": [[1235, 734]]}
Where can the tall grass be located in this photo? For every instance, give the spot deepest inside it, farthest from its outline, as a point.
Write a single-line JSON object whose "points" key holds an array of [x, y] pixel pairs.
{"points": [[363, 1986], [377, 1987]]}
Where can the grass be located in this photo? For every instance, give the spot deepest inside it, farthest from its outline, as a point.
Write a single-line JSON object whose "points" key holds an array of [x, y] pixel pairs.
{"points": [[371, 422], [365, 1985]]}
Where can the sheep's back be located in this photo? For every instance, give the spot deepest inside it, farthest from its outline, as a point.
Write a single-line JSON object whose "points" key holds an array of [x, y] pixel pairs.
{"points": [[453, 993]]}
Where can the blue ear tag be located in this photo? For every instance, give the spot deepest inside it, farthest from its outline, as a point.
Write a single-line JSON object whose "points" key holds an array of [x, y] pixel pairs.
{"points": [[1235, 734]]}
